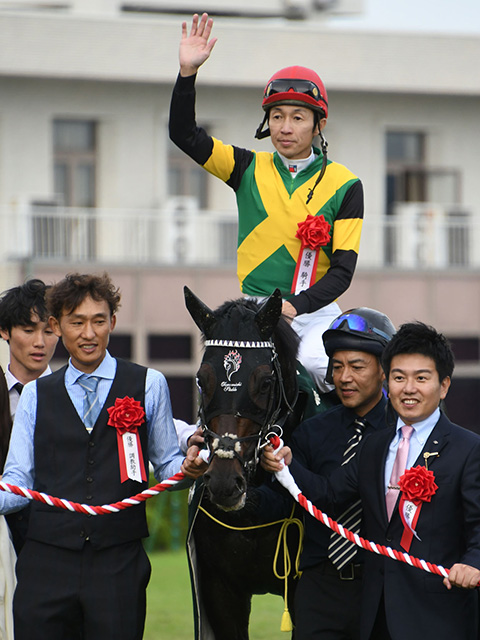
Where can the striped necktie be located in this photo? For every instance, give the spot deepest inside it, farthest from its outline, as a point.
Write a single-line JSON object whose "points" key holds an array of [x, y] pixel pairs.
{"points": [[340, 550], [91, 407]]}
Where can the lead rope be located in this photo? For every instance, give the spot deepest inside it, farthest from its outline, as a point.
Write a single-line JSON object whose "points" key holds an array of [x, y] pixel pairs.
{"points": [[286, 622]]}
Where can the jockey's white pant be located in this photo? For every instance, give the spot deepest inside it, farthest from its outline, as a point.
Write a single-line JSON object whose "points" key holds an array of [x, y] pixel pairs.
{"points": [[311, 353]]}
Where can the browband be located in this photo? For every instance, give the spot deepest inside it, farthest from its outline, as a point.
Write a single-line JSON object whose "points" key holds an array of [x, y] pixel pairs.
{"points": [[246, 344]]}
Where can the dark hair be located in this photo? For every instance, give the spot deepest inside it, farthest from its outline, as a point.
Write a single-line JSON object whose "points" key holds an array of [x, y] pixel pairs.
{"points": [[69, 293], [417, 337], [19, 303], [5, 420]]}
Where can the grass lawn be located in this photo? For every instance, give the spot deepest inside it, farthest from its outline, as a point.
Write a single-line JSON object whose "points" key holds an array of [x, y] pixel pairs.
{"points": [[169, 605]]}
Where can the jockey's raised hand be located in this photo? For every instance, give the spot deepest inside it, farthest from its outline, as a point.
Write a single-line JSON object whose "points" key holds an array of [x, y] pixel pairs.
{"points": [[195, 47]]}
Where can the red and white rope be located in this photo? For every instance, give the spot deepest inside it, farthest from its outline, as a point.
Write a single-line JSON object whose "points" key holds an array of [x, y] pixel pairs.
{"points": [[90, 509], [284, 477]]}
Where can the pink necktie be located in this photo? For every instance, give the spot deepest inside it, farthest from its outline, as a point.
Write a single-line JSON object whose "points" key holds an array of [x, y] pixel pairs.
{"points": [[398, 469]]}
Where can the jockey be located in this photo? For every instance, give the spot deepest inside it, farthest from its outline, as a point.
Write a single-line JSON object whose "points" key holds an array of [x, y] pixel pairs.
{"points": [[300, 214]]}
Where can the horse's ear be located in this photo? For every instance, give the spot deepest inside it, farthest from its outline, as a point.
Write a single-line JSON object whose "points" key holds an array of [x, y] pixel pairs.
{"points": [[201, 314], [268, 315]]}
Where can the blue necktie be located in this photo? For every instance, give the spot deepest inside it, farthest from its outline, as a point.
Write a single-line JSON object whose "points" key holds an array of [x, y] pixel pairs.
{"points": [[91, 407]]}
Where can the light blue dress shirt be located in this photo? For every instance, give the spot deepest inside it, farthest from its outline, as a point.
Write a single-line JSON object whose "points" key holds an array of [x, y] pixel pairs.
{"points": [[163, 450], [421, 432]]}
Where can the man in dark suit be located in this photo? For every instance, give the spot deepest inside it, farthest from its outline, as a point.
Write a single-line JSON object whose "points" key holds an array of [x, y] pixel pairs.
{"points": [[400, 601], [331, 567]]}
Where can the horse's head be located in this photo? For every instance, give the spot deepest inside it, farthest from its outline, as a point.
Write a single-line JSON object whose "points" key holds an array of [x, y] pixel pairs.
{"points": [[247, 383]]}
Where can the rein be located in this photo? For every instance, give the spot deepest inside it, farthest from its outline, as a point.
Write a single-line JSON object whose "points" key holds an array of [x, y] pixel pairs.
{"points": [[229, 445]]}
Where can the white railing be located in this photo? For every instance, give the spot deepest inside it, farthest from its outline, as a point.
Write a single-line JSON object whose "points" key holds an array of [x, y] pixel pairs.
{"points": [[423, 236], [417, 236], [175, 236]]}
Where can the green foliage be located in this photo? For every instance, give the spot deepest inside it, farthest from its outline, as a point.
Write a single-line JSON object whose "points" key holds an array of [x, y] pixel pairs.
{"points": [[167, 519], [169, 604]]}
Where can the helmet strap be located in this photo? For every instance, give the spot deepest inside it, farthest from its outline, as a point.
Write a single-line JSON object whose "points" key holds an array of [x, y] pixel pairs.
{"points": [[259, 134], [324, 146]]}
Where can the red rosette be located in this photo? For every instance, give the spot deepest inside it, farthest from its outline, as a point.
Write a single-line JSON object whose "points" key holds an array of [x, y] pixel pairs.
{"points": [[314, 232], [126, 416], [418, 485]]}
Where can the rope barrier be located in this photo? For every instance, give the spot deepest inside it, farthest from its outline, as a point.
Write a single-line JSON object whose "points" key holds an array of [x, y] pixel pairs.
{"points": [[286, 479], [91, 510], [283, 476]]}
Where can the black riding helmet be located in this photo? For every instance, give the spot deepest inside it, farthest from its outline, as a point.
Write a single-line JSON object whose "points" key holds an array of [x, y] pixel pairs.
{"points": [[360, 329]]}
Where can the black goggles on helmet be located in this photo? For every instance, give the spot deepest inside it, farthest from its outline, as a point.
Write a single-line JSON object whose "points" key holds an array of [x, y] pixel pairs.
{"points": [[357, 323], [298, 86]]}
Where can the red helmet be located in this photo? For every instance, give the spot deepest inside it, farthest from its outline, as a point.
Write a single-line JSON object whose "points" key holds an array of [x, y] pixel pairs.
{"points": [[299, 86]]}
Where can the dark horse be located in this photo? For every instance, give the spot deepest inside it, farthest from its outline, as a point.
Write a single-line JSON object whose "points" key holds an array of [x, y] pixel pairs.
{"points": [[248, 390]]}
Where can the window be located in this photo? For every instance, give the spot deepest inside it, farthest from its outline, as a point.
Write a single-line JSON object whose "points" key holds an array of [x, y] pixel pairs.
{"points": [[169, 347], [465, 349], [405, 168], [119, 346], [74, 146], [183, 392], [408, 177], [462, 402], [423, 202], [56, 232]]}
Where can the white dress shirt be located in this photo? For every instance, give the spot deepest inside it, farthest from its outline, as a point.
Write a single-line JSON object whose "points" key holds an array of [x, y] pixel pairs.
{"points": [[13, 393]]}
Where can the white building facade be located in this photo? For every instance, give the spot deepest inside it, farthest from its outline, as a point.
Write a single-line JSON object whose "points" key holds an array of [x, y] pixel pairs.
{"points": [[89, 180]]}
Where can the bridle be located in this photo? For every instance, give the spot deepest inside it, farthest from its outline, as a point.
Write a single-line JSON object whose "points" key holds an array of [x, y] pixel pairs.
{"points": [[230, 445]]}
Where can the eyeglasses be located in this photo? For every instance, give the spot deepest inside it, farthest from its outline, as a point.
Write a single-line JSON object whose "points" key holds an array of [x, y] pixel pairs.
{"points": [[298, 86], [357, 323]]}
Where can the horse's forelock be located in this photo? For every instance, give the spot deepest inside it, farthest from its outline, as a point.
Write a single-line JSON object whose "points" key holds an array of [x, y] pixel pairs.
{"points": [[284, 337], [232, 315], [241, 313]]}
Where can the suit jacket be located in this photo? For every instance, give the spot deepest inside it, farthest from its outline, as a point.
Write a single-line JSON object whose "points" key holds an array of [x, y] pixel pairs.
{"points": [[416, 602], [318, 444]]}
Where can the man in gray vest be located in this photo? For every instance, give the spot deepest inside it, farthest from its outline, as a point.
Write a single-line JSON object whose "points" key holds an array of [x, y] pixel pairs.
{"points": [[87, 433]]}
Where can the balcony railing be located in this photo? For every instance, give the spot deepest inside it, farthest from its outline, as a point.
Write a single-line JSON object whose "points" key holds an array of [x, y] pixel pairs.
{"points": [[179, 234], [417, 236]]}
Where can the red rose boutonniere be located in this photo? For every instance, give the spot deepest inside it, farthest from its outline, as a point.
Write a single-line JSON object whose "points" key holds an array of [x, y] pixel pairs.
{"points": [[126, 416], [313, 233], [417, 486]]}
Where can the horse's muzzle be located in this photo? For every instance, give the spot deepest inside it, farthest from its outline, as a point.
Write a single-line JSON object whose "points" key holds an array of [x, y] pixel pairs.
{"points": [[226, 484]]}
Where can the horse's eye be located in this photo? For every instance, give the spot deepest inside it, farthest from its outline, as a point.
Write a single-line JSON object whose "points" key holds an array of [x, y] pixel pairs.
{"points": [[266, 385]]}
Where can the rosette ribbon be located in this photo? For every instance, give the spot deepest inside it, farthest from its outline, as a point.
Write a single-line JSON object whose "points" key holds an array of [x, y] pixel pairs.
{"points": [[417, 486], [126, 416], [314, 232]]}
